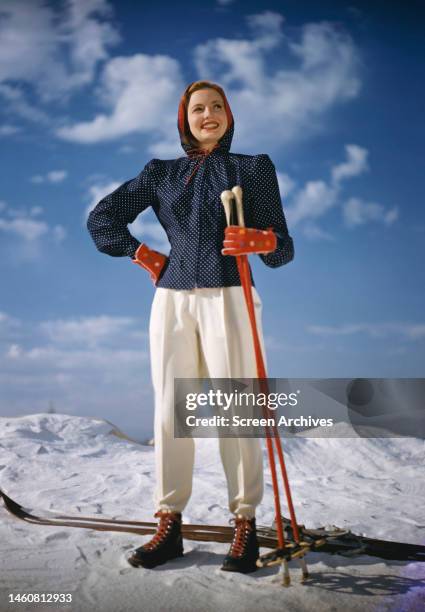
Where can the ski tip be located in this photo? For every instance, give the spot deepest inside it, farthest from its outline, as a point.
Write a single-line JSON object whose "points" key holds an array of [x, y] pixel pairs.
{"points": [[10, 504]]}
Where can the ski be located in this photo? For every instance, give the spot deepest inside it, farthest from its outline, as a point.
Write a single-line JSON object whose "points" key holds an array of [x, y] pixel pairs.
{"points": [[332, 541]]}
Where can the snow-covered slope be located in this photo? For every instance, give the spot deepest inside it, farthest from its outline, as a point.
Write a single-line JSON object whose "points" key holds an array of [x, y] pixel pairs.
{"points": [[82, 465]]}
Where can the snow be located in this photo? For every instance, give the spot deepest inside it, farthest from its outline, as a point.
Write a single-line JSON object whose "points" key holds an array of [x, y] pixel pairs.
{"points": [[78, 465]]}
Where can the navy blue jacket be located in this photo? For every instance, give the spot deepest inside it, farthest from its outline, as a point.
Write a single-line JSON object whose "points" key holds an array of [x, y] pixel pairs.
{"points": [[192, 214]]}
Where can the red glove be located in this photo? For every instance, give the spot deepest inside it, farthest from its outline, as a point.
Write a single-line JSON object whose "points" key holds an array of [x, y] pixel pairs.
{"points": [[244, 240], [150, 260]]}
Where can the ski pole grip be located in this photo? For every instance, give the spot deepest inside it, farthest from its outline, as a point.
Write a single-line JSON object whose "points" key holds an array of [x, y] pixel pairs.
{"points": [[237, 191], [232, 202], [229, 203]]}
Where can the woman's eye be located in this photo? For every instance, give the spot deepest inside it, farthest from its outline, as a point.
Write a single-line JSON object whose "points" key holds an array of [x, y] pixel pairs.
{"points": [[200, 109]]}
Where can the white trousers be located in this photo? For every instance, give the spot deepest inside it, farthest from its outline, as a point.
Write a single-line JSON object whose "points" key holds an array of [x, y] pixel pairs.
{"points": [[202, 333]]}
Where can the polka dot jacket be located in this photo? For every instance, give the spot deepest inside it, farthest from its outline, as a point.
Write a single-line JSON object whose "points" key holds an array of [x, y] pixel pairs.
{"points": [[185, 195]]}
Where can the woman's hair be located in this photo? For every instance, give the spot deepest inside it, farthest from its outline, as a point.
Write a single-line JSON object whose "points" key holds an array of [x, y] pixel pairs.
{"points": [[186, 135]]}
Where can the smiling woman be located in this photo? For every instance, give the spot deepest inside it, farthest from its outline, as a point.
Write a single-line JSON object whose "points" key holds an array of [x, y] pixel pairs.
{"points": [[199, 325], [204, 115], [207, 117]]}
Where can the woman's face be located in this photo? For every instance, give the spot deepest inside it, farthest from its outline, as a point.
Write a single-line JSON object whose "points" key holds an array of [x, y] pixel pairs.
{"points": [[207, 117]]}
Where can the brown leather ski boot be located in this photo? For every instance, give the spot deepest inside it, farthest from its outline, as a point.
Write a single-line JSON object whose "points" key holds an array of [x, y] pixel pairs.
{"points": [[244, 550], [166, 544]]}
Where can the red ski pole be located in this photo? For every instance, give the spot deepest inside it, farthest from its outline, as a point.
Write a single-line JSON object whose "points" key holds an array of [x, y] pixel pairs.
{"points": [[229, 198]]}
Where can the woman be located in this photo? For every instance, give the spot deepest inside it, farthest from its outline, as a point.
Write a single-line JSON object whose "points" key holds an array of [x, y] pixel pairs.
{"points": [[199, 325]]}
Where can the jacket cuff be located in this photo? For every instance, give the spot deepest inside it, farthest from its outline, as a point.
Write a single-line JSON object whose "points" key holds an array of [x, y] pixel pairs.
{"points": [[132, 248], [282, 255], [281, 239]]}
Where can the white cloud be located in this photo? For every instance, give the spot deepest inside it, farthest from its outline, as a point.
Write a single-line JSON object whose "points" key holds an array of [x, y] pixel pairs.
{"points": [[147, 229], [126, 149], [409, 331], [77, 360], [358, 212], [167, 148], [314, 232], [315, 199], [8, 130], [83, 364], [267, 29], [355, 165], [272, 344], [56, 51], [14, 351], [140, 94], [325, 44], [32, 232], [391, 215], [8, 322], [87, 331], [59, 233], [272, 106], [25, 228], [57, 176], [286, 184], [88, 36], [276, 103], [311, 202], [54, 176], [53, 49], [15, 102], [16, 213], [96, 193]]}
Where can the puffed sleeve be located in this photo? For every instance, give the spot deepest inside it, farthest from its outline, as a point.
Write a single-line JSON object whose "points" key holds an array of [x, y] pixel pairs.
{"points": [[265, 210], [107, 222]]}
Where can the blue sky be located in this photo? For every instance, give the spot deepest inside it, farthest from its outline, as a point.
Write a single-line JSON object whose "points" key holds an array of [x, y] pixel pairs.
{"points": [[332, 91]]}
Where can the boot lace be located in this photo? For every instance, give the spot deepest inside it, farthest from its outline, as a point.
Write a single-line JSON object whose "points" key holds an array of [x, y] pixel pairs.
{"points": [[242, 529], [166, 521]]}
